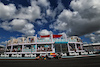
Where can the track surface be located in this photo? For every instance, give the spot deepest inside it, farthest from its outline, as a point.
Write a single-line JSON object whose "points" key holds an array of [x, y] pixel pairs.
{"points": [[73, 62]]}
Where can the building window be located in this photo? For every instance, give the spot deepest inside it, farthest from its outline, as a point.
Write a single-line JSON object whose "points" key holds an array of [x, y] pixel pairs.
{"points": [[72, 47], [8, 49]]}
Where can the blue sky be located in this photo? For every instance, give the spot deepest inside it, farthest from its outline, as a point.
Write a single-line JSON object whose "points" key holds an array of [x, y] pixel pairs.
{"points": [[30, 17]]}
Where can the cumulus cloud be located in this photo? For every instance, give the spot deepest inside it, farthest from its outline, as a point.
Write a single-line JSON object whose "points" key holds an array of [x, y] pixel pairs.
{"points": [[53, 13], [94, 37], [97, 32], [19, 25], [30, 13], [5, 25], [44, 3], [90, 35], [39, 22], [83, 19], [44, 32], [28, 29], [7, 11], [3, 42], [49, 12], [17, 19], [87, 8]]}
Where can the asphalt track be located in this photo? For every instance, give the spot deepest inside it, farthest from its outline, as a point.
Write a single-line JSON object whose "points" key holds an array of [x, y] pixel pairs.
{"points": [[72, 62]]}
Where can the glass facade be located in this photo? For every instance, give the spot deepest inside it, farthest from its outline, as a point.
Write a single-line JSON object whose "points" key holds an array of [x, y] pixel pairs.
{"points": [[8, 49], [61, 48]]}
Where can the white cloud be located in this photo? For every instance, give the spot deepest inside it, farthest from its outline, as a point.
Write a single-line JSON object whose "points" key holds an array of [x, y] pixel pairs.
{"points": [[3, 42], [30, 13], [44, 3], [28, 29], [20, 17], [56, 11], [90, 35], [94, 37], [59, 25], [7, 11], [97, 32], [83, 19], [49, 12], [5, 25], [87, 8], [44, 32], [19, 25], [39, 22]]}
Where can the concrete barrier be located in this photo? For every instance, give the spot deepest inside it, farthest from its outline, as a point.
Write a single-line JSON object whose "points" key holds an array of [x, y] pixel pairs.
{"points": [[14, 55], [84, 53], [6, 55], [76, 54], [63, 54], [19, 55], [71, 54], [91, 52], [2, 55], [33, 55], [27, 55]]}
